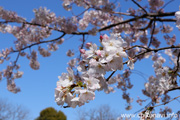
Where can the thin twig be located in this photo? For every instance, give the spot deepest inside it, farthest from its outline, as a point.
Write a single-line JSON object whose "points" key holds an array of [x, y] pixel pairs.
{"points": [[82, 12], [149, 24], [147, 50], [166, 102], [110, 75], [143, 108], [123, 22], [175, 88], [82, 46], [121, 13], [166, 5], [151, 39], [140, 6], [39, 43], [17, 58], [177, 63], [178, 100]]}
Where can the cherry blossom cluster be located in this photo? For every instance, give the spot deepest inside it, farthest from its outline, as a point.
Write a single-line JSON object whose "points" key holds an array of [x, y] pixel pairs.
{"points": [[96, 61], [10, 16], [43, 16], [102, 19], [162, 82], [11, 76], [155, 4], [88, 73], [26, 35], [177, 14], [32, 31], [67, 4]]}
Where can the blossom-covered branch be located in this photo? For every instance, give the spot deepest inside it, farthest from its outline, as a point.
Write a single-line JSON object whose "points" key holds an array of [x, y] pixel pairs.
{"points": [[124, 38]]}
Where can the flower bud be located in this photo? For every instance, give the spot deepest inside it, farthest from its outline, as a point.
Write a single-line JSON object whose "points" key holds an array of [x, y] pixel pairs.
{"points": [[82, 51], [88, 45]]}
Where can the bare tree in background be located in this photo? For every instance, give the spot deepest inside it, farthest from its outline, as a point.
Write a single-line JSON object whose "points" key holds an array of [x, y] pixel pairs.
{"points": [[9, 111], [103, 112]]}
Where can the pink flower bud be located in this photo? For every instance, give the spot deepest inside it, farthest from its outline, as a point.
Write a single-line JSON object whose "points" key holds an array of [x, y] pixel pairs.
{"points": [[88, 45], [105, 36], [98, 52], [101, 37], [82, 51]]}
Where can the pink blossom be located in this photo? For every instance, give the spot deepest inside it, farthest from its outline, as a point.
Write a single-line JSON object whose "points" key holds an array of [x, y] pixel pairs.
{"points": [[82, 51]]}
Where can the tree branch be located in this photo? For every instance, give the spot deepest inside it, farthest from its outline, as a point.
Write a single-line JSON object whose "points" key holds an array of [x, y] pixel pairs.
{"points": [[40, 43], [177, 63], [166, 102], [151, 39], [166, 4], [110, 75], [165, 20], [172, 89], [145, 28], [148, 16], [147, 50]]}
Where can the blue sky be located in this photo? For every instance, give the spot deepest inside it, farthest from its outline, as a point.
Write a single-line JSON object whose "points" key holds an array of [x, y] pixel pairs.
{"points": [[38, 86]]}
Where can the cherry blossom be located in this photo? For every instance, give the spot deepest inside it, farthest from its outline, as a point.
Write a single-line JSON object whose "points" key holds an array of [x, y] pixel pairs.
{"points": [[126, 37], [177, 14], [99, 60]]}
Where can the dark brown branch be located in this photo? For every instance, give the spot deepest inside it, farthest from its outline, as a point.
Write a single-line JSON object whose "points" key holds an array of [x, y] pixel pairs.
{"points": [[166, 102], [161, 14], [175, 88], [165, 20], [177, 63], [82, 46], [83, 42], [152, 107], [123, 22], [121, 13], [127, 21], [40, 43], [33, 24], [139, 17], [142, 53], [17, 58], [149, 24], [3, 22], [82, 12], [151, 39], [148, 16], [166, 4], [110, 75], [156, 49], [143, 107], [137, 46]]}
